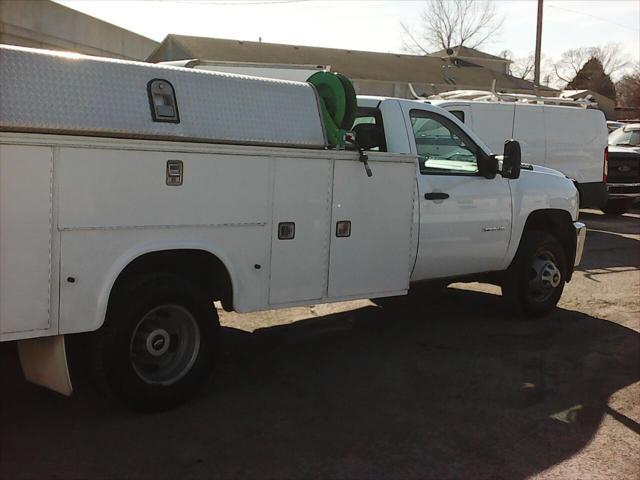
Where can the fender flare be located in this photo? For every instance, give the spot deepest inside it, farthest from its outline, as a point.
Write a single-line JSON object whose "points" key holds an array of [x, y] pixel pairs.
{"points": [[137, 251]]}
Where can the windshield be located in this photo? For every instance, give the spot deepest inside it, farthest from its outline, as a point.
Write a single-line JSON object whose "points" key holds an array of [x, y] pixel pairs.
{"points": [[622, 137]]}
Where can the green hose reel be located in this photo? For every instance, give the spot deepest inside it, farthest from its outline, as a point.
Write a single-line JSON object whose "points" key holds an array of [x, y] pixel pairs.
{"points": [[338, 104]]}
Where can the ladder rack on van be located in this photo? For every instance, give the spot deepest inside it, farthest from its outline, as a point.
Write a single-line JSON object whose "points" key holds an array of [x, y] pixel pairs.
{"points": [[486, 95], [493, 96]]}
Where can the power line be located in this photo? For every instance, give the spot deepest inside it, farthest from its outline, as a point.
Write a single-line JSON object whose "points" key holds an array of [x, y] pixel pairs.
{"points": [[594, 16]]}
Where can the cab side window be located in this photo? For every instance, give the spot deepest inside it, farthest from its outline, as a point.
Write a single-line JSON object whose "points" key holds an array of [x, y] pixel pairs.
{"points": [[442, 147]]}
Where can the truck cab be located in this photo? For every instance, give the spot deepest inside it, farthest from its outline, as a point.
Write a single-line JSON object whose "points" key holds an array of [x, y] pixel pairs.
{"points": [[471, 215]]}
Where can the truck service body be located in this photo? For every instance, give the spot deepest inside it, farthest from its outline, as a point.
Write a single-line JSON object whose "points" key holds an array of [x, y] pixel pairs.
{"points": [[133, 195]]}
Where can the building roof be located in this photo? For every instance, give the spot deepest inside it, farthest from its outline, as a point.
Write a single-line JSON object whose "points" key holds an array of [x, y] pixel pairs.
{"points": [[49, 25], [466, 52], [355, 64]]}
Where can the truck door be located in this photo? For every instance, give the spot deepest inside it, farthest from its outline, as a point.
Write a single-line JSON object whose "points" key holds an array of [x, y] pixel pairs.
{"points": [[26, 239], [300, 240], [465, 218], [371, 228]]}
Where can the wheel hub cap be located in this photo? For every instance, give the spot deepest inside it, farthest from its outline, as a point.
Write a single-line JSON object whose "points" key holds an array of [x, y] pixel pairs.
{"points": [[547, 273], [158, 342], [544, 278], [164, 344]]}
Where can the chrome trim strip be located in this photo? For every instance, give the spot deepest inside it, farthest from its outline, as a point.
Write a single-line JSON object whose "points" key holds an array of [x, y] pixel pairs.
{"points": [[623, 185]]}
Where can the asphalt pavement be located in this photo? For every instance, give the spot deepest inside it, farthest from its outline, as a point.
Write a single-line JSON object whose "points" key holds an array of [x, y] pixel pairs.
{"points": [[450, 387]]}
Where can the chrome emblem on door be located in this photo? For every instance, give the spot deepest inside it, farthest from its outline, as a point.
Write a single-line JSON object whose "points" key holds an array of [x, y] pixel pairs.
{"points": [[492, 229]]}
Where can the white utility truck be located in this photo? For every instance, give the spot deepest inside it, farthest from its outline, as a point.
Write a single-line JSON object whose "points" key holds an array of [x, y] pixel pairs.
{"points": [[564, 134], [133, 196]]}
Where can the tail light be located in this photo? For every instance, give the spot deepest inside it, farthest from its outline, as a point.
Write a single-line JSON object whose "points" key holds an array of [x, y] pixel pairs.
{"points": [[605, 165]]}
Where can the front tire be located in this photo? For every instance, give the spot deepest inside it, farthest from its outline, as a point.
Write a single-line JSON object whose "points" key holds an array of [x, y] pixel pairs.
{"points": [[534, 282], [158, 343]]}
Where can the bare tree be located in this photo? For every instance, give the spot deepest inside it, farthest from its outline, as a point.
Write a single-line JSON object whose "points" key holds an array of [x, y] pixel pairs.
{"points": [[612, 58], [628, 88], [520, 67], [571, 61], [450, 23]]}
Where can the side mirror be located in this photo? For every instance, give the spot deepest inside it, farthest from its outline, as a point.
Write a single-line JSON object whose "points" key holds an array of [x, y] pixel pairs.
{"points": [[488, 165], [512, 159]]}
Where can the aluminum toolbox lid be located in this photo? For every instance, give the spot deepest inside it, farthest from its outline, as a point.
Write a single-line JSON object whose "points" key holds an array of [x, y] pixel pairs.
{"points": [[54, 92]]}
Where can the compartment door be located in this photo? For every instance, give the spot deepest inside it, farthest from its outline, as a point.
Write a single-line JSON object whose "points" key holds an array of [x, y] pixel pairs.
{"points": [[375, 257], [300, 238], [25, 238]]}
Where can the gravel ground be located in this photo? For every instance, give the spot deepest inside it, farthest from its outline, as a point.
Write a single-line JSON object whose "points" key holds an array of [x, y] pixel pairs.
{"points": [[452, 388]]}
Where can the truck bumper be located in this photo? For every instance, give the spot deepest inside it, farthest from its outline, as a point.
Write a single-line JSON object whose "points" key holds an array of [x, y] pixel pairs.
{"points": [[623, 190], [581, 235]]}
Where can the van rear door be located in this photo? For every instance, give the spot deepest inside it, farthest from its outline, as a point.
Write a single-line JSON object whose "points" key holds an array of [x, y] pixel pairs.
{"points": [[576, 139]]}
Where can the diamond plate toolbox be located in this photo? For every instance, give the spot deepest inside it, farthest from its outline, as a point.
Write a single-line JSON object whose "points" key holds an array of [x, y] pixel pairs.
{"points": [[53, 92]]}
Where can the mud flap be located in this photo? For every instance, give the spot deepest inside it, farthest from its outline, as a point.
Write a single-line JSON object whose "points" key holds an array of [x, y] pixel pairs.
{"points": [[44, 362]]}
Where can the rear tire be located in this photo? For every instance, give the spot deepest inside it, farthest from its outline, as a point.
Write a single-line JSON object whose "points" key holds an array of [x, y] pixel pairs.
{"points": [[533, 284], [158, 343], [617, 206]]}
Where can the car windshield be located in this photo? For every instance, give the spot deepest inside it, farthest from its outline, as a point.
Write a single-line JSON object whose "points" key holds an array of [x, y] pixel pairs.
{"points": [[624, 136]]}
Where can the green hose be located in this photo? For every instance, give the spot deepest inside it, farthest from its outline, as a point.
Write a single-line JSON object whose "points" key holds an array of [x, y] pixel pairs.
{"points": [[338, 104]]}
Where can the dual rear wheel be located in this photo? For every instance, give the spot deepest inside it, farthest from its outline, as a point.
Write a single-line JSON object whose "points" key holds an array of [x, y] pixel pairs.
{"points": [[158, 343]]}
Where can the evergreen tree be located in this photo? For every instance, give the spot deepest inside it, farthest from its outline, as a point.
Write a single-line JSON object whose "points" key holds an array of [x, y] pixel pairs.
{"points": [[592, 77]]}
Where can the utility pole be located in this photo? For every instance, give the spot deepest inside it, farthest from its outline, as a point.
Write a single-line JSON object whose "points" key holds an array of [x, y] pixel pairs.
{"points": [[536, 72]]}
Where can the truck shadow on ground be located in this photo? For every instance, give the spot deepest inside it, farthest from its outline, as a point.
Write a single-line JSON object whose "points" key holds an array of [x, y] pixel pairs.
{"points": [[452, 388]]}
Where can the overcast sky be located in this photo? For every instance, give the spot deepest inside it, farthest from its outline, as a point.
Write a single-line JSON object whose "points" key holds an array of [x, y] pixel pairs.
{"points": [[370, 24]]}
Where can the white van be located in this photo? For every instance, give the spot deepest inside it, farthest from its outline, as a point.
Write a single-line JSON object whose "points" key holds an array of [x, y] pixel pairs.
{"points": [[570, 139]]}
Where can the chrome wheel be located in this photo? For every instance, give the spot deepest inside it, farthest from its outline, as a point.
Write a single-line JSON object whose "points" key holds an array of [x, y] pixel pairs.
{"points": [[544, 276], [164, 345]]}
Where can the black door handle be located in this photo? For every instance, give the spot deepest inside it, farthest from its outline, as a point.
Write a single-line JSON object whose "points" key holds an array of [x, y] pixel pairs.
{"points": [[436, 196]]}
